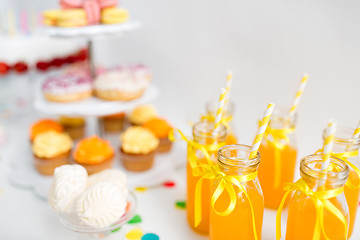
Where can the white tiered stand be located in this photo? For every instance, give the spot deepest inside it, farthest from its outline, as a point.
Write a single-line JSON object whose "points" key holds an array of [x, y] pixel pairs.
{"points": [[25, 174]]}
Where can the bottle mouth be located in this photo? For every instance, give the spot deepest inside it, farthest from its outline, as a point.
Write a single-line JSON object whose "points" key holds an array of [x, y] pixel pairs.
{"points": [[311, 166], [344, 136], [205, 129], [237, 155], [280, 118]]}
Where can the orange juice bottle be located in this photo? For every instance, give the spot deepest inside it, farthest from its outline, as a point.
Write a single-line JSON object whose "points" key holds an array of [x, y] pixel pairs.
{"points": [[202, 134], [233, 161], [344, 143], [302, 212], [211, 108], [278, 157]]}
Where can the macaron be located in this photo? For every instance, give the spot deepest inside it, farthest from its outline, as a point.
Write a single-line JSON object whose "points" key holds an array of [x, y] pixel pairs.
{"points": [[50, 17], [72, 18], [113, 15]]}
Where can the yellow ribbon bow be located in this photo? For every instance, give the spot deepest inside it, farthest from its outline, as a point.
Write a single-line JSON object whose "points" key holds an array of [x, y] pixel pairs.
{"points": [[279, 140], [345, 156], [205, 149], [226, 183], [321, 202]]}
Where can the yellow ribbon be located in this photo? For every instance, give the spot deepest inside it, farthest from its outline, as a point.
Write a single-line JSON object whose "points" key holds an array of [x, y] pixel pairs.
{"points": [[226, 183], [345, 156], [225, 120], [279, 136], [321, 202], [192, 147]]}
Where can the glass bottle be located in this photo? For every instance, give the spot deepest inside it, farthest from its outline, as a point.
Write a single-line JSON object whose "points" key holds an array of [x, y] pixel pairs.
{"points": [[278, 157], [344, 144], [233, 161], [302, 212], [202, 135], [211, 109]]}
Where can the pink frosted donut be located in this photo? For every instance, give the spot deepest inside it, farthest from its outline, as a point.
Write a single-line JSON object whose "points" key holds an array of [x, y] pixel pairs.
{"points": [[67, 88]]}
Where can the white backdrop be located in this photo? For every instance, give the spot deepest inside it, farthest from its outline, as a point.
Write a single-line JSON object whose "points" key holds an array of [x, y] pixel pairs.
{"points": [[268, 45]]}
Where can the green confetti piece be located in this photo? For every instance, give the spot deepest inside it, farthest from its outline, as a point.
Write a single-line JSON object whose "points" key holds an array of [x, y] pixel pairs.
{"points": [[135, 219], [180, 204], [115, 230]]}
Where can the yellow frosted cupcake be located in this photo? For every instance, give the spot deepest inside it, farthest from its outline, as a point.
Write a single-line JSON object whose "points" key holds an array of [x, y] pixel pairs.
{"points": [[111, 15], [51, 149], [94, 154], [142, 114], [74, 126], [138, 148]]}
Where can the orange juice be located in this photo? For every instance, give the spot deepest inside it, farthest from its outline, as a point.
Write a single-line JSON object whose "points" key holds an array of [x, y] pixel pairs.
{"points": [[238, 224], [273, 178], [352, 198], [302, 217], [202, 134], [233, 161]]}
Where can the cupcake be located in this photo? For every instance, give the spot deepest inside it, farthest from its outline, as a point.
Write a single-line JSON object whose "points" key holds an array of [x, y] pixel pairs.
{"points": [[51, 149], [121, 83], [114, 122], [137, 151], [160, 128], [142, 114], [67, 88], [44, 125], [75, 127], [94, 154]]}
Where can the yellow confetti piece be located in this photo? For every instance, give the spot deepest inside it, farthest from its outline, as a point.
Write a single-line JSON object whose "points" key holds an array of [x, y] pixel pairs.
{"points": [[141, 189], [134, 234]]}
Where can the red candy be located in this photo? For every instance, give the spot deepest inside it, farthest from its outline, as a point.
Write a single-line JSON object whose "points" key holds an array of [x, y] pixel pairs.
{"points": [[42, 66], [57, 62], [21, 67], [4, 68], [169, 184]]}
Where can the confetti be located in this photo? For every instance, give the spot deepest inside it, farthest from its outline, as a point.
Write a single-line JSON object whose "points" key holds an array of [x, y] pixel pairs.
{"points": [[115, 230], [150, 236], [169, 184], [134, 234], [135, 219], [140, 189], [181, 205]]}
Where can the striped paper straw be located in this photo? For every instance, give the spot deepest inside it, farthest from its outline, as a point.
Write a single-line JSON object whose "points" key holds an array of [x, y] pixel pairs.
{"points": [[328, 143], [298, 95], [357, 131], [228, 86], [219, 112], [261, 131]]}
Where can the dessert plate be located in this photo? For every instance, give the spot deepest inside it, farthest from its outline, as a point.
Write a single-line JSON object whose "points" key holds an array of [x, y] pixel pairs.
{"points": [[93, 30]]}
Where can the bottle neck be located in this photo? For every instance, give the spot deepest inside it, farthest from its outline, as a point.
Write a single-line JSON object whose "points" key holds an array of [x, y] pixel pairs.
{"points": [[203, 133]]}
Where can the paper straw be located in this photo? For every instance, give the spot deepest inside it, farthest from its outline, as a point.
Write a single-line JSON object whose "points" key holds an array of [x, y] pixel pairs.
{"points": [[327, 146], [219, 112], [24, 22], [357, 131], [298, 95], [260, 134], [11, 22], [228, 86]]}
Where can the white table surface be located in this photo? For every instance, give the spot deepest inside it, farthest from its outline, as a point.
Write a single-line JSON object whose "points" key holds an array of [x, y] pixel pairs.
{"points": [[25, 216]]}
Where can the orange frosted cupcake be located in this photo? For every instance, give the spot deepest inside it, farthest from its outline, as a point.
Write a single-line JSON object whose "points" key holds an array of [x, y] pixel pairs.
{"points": [[142, 114], [44, 125], [114, 122], [74, 126], [161, 129], [94, 154], [51, 149], [138, 148]]}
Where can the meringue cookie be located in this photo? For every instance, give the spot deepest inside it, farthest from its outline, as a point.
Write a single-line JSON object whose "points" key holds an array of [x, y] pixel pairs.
{"points": [[101, 204], [69, 181], [115, 176]]}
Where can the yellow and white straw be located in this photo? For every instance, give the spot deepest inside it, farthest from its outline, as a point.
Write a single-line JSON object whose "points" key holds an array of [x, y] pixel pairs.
{"points": [[357, 131], [298, 95], [219, 112], [228, 86], [328, 143], [260, 134]]}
